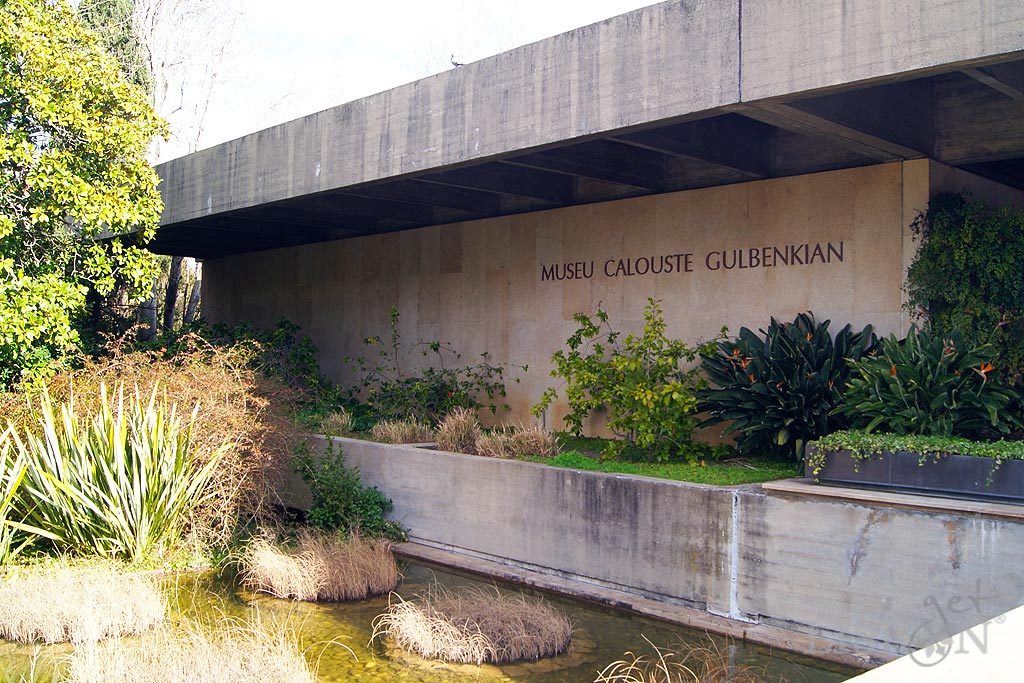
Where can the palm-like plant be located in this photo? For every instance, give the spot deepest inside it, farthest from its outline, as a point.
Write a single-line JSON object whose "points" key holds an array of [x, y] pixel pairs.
{"points": [[119, 483], [777, 390]]}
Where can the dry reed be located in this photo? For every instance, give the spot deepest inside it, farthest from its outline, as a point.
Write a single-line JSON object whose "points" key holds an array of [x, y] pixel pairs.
{"points": [[705, 663], [475, 626], [401, 431], [458, 431], [338, 423], [517, 441], [321, 567], [78, 604], [233, 653], [236, 403]]}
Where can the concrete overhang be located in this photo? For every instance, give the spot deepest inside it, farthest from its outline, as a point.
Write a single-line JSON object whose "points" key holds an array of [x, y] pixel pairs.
{"points": [[678, 95]]}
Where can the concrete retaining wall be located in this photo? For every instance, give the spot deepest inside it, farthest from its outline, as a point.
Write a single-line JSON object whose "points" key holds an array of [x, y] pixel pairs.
{"points": [[864, 573]]}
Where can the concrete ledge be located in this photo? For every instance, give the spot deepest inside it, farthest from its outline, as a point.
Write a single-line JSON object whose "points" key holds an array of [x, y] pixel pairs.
{"points": [[862, 574], [803, 486], [769, 636]]}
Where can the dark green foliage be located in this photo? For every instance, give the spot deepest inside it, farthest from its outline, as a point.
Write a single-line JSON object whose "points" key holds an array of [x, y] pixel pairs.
{"points": [[642, 384], [779, 388], [968, 276], [340, 500], [929, 384], [428, 393]]}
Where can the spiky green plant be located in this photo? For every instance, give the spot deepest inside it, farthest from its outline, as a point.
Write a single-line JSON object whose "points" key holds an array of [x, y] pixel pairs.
{"points": [[118, 483], [15, 535]]}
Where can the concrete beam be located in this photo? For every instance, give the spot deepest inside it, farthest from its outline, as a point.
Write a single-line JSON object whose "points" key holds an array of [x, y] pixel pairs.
{"points": [[625, 71], [792, 46]]}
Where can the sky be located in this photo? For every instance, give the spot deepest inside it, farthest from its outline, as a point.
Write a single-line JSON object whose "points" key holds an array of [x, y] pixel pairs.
{"points": [[279, 65]]}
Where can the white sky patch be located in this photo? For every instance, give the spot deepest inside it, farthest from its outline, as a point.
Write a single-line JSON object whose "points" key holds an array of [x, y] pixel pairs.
{"points": [[286, 60]]}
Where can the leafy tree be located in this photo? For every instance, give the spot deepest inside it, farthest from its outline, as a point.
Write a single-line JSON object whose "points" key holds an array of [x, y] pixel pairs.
{"points": [[72, 171]]}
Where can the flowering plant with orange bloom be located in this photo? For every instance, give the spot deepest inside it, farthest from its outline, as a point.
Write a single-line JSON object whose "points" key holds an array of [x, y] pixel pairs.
{"points": [[930, 384]]}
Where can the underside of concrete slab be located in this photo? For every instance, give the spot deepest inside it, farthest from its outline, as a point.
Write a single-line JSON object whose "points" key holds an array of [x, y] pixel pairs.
{"points": [[679, 95]]}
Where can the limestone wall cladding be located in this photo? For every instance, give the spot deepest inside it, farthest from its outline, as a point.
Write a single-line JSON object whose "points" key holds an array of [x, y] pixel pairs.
{"points": [[866, 574], [479, 284]]}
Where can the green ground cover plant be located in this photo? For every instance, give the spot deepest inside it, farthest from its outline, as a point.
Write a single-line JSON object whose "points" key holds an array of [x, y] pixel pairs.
{"points": [[778, 389], [863, 445], [642, 383], [930, 384], [724, 473]]}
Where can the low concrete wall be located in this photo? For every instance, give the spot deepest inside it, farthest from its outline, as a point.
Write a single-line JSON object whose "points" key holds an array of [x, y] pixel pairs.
{"points": [[862, 572]]}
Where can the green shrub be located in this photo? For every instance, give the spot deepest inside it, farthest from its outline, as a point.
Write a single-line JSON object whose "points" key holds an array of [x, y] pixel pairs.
{"points": [[968, 276], [119, 483], [641, 384], [429, 393], [778, 389], [929, 384], [340, 500]]}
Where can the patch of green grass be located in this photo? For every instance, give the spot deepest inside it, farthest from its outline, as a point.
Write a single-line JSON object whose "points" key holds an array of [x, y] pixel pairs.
{"points": [[725, 473]]}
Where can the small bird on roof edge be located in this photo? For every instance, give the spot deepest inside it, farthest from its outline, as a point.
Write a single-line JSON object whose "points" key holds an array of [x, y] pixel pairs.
{"points": [[454, 63]]}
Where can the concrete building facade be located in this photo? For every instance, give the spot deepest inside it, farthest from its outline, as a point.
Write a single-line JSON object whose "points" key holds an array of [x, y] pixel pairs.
{"points": [[735, 160]]}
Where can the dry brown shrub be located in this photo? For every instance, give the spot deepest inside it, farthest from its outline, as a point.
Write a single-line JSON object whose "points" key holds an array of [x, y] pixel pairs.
{"points": [[708, 662], [231, 653], [78, 604], [517, 441], [321, 567], [475, 626], [236, 403], [338, 423], [458, 432], [401, 431]]}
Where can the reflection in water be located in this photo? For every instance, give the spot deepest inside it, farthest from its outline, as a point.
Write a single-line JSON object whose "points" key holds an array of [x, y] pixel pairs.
{"points": [[335, 637]]}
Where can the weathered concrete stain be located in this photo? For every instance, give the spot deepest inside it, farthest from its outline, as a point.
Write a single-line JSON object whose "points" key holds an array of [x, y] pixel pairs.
{"points": [[860, 544], [954, 541]]}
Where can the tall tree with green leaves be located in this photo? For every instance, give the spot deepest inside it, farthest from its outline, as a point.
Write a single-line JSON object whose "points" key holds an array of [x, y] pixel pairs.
{"points": [[77, 196]]}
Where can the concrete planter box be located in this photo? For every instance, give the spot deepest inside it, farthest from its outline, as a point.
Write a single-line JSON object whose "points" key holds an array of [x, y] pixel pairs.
{"points": [[958, 476]]}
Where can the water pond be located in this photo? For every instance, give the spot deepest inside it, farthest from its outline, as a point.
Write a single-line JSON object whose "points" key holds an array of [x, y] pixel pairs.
{"points": [[336, 638]]}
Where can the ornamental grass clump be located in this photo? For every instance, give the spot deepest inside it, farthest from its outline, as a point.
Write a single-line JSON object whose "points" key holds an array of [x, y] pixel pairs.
{"points": [[321, 567], [338, 423], [401, 431], [119, 482], [458, 432], [230, 653], [78, 604], [516, 442], [475, 626]]}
